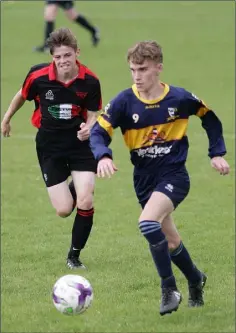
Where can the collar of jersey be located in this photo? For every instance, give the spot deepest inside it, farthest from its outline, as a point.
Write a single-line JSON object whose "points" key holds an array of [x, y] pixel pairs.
{"points": [[52, 72], [151, 101]]}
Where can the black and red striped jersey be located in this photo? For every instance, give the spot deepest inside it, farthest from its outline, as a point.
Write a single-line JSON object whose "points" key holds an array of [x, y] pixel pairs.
{"points": [[61, 105]]}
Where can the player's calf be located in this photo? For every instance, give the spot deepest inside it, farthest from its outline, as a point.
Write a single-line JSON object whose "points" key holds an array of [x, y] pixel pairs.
{"points": [[171, 297]]}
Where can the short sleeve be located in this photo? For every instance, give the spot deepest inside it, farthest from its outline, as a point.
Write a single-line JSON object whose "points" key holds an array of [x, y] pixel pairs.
{"points": [[93, 100], [194, 105], [29, 88]]}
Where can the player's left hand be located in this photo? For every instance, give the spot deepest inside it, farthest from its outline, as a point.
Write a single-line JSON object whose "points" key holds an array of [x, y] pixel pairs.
{"points": [[83, 133], [106, 168], [220, 164]]}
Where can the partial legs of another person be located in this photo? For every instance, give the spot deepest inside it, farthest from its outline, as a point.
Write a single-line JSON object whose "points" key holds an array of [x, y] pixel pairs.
{"points": [[50, 13], [74, 16]]}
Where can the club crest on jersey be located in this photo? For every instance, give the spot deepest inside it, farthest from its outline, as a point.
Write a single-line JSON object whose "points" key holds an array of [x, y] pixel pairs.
{"points": [[154, 137], [81, 94], [172, 114], [49, 95]]}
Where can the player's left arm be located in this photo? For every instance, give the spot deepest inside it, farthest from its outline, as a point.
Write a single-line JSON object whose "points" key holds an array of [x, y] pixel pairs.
{"points": [[85, 128], [213, 127], [93, 103]]}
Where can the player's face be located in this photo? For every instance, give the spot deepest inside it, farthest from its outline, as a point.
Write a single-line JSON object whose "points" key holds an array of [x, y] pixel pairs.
{"points": [[64, 58], [145, 75]]}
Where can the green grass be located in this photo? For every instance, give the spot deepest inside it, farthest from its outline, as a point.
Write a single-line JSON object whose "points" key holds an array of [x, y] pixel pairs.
{"points": [[198, 43]]}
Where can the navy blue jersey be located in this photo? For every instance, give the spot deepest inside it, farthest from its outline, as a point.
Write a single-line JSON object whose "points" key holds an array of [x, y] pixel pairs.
{"points": [[155, 130]]}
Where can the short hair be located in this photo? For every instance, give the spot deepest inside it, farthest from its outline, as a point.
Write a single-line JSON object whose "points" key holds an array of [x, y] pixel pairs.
{"points": [[59, 37], [145, 50]]}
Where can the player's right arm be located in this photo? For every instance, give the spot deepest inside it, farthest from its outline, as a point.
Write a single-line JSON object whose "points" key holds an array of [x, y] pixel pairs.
{"points": [[16, 103], [101, 137], [27, 92]]}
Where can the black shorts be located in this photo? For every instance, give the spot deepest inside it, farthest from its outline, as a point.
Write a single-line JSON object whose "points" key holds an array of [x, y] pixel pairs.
{"points": [[66, 5], [175, 184], [61, 153]]}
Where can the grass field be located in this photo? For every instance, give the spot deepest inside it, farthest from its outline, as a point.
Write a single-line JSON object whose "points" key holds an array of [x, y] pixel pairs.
{"points": [[198, 43]]}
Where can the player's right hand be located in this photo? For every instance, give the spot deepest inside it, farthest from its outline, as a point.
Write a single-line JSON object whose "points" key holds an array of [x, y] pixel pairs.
{"points": [[106, 168], [5, 128]]}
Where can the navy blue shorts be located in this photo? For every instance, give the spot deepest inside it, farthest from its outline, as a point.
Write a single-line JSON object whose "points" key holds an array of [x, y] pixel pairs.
{"points": [[175, 184]]}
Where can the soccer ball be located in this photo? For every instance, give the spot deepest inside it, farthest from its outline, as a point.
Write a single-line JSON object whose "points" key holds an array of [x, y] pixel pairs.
{"points": [[72, 294]]}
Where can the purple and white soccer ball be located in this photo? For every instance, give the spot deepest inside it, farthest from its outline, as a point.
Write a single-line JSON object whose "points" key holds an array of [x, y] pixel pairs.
{"points": [[72, 294]]}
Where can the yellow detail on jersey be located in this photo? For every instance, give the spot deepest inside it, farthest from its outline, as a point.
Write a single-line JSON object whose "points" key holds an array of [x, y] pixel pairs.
{"points": [[202, 111], [144, 137], [151, 101], [172, 118], [105, 125]]}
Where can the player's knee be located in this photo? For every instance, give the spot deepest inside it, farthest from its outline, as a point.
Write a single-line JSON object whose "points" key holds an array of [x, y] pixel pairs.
{"points": [[71, 14], [85, 202], [149, 216], [173, 244], [50, 13], [64, 211]]}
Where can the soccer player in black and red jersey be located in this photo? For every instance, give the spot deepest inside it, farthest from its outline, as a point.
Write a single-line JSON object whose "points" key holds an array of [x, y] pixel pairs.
{"points": [[67, 97], [153, 118], [50, 13]]}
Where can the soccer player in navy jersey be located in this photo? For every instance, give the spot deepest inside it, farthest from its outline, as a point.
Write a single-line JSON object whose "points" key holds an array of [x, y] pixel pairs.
{"points": [[153, 118], [50, 13], [67, 96]]}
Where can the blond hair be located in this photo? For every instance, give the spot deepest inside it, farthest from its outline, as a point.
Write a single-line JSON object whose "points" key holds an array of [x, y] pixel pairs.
{"points": [[145, 50], [59, 37]]}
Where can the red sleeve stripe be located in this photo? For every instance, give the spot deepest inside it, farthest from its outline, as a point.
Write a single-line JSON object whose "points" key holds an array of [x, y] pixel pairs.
{"points": [[36, 116], [100, 105], [83, 70], [89, 72], [31, 78]]}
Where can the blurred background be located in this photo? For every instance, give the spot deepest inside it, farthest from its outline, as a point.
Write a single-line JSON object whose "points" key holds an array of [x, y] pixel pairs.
{"points": [[198, 40]]}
